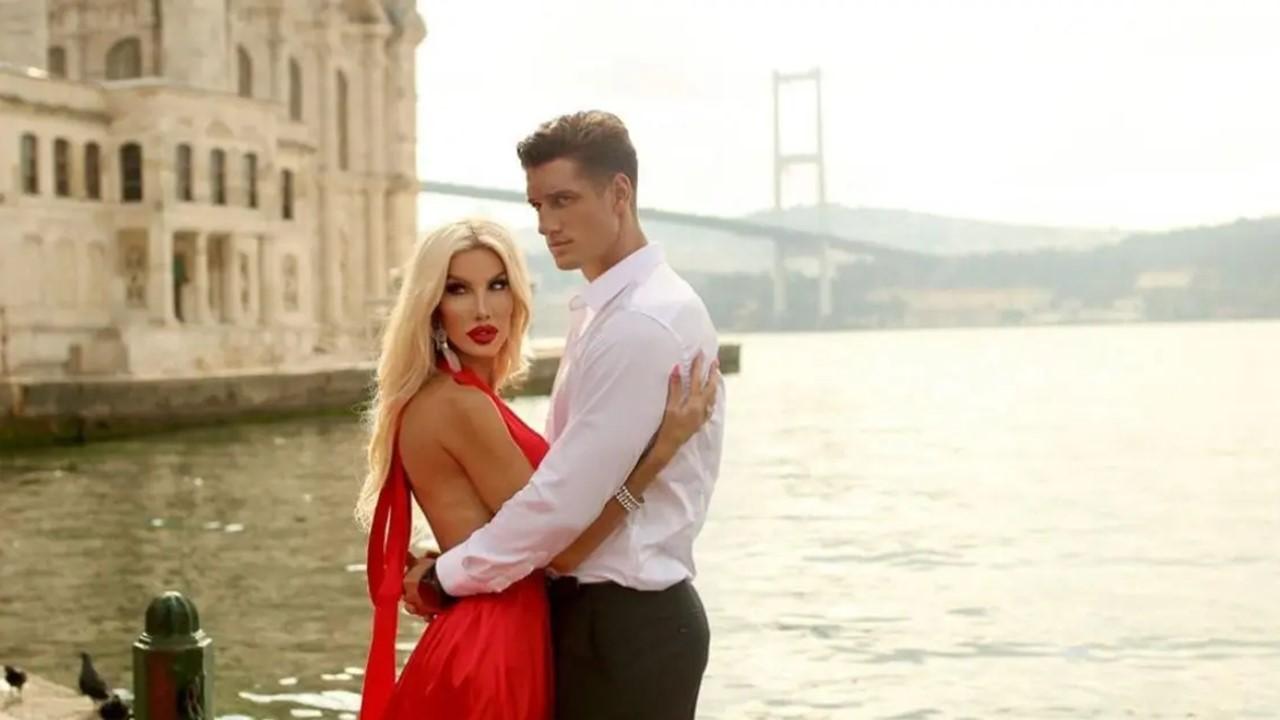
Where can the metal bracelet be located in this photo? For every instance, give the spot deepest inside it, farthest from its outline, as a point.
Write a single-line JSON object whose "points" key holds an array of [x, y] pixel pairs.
{"points": [[627, 500]]}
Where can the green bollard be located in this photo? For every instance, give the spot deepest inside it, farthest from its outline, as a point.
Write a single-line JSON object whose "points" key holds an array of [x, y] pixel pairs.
{"points": [[172, 663]]}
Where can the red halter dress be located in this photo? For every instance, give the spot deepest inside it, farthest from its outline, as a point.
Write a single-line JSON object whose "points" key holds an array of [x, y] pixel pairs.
{"points": [[487, 656]]}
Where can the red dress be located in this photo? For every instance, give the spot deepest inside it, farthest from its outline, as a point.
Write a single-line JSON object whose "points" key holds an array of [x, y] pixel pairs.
{"points": [[487, 656]]}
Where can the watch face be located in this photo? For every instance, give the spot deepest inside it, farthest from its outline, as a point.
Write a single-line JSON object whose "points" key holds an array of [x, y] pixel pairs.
{"points": [[432, 582]]}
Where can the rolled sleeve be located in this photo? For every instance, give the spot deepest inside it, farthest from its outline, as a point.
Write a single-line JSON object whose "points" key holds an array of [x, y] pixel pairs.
{"points": [[619, 391]]}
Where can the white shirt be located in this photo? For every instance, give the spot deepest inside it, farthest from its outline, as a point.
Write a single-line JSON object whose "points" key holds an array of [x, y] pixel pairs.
{"points": [[632, 325]]}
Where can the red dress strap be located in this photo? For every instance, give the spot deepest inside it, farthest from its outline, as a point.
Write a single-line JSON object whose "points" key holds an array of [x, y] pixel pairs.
{"points": [[385, 567]]}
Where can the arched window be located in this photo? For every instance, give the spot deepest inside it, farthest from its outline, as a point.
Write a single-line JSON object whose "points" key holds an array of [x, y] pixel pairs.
{"points": [[124, 60], [295, 91], [30, 164], [184, 169], [218, 177], [244, 69], [343, 129], [286, 194], [62, 168], [57, 61], [131, 172], [251, 179], [92, 172]]}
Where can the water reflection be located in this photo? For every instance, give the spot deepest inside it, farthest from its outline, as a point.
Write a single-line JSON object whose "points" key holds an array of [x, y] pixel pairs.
{"points": [[252, 522], [1068, 522]]}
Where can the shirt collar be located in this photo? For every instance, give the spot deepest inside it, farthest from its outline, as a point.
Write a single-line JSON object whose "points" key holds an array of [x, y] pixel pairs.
{"points": [[633, 268]]}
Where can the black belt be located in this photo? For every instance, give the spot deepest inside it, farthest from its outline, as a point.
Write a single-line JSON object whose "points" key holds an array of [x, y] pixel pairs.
{"points": [[565, 587]]}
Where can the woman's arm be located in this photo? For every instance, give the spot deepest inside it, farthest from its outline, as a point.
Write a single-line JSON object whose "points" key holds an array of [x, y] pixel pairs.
{"points": [[477, 438]]}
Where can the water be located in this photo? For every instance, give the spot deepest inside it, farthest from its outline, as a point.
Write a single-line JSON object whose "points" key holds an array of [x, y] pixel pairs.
{"points": [[1028, 523]]}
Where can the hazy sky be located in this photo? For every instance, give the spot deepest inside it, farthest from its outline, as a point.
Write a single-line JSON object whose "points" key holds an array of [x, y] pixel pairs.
{"points": [[1130, 113]]}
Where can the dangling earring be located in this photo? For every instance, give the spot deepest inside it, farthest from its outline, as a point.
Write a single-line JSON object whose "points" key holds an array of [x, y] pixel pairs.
{"points": [[442, 346]]}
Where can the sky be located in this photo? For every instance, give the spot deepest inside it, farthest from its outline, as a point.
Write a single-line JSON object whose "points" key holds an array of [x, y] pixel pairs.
{"points": [[1136, 114]]}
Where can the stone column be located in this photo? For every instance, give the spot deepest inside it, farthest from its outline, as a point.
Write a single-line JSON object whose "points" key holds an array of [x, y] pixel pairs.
{"points": [[404, 220], [269, 290], [160, 271], [376, 157], [330, 275], [377, 234], [329, 280], [402, 133], [274, 41], [200, 276], [356, 249], [231, 307], [376, 81], [82, 36], [251, 246]]}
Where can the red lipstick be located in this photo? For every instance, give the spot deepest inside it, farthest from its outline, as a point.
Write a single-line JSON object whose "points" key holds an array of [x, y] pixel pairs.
{"points": [[483, 334]]}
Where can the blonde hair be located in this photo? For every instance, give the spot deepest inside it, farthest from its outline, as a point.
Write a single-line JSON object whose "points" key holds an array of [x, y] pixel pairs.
{"points": [[408, 356]]}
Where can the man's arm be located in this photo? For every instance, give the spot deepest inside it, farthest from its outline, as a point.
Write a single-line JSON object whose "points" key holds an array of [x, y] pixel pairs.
{"points": [[620, 395]]}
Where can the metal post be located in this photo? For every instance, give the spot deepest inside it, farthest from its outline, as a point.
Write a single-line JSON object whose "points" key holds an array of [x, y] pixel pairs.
{"points": [[173, 663]]}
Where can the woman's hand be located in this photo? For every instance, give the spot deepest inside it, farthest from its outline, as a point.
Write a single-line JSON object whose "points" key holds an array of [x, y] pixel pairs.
{"points": [[413, 600], [686, 412]]}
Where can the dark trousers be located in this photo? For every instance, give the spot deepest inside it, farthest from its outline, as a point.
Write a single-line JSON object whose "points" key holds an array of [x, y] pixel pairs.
{"points": [[627, 654]]}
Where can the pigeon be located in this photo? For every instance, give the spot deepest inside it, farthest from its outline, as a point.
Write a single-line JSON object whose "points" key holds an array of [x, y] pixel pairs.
{"points": [[114, 709], [16, 677], [91, 683]]}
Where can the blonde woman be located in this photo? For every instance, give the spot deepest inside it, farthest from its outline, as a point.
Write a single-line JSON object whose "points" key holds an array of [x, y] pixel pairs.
{"points": [[441, 436]]}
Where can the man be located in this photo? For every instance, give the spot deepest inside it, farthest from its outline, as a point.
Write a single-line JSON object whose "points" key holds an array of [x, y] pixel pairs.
{"points": [[630, 633]]}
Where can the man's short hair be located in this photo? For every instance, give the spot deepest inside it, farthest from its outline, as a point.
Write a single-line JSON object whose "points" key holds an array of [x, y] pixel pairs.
{"points": [[597, 140]]}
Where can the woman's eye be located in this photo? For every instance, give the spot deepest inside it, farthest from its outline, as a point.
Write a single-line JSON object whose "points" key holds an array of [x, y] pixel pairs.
{"points": [[455, 288], [499, 285]]}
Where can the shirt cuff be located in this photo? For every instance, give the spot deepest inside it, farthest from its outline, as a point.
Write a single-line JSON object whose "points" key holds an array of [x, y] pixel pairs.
{"points": [[450, 573]]}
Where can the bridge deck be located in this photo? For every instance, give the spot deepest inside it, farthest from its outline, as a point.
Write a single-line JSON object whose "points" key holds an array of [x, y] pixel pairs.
{"points": [[729, 225]]}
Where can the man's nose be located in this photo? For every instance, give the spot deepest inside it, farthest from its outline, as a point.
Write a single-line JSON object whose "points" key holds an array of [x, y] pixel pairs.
{"points": [[547, 223]]}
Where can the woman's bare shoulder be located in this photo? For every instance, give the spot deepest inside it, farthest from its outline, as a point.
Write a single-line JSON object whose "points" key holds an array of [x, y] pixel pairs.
{"points": [[442, 404]]}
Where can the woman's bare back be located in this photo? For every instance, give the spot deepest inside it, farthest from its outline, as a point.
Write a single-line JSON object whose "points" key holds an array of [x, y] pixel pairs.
{"points": [[443, 421]]}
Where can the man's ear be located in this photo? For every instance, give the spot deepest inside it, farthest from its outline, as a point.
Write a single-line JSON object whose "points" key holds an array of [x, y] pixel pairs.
{"points": [[622, 192]]}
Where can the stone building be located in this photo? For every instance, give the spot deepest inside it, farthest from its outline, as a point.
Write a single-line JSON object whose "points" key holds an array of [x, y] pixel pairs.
{"points": [[201, 185]]}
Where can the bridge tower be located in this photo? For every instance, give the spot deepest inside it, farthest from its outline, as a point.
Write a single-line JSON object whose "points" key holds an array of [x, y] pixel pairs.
{"points": [[781, 162]]}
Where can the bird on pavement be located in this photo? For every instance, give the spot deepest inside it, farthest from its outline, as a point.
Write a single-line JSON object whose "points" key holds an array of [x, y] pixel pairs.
{"points": [[91, 683], [114, 709], [16, 677]]}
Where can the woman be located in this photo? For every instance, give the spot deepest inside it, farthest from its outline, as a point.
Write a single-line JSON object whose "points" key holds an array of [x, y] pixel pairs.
{"points": [[441, 434]]}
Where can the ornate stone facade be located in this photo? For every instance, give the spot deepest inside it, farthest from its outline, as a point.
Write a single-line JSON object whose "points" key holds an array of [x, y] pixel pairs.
{"points": [[200, 185]]}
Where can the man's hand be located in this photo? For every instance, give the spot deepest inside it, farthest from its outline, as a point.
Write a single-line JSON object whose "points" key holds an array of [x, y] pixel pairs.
{"points": [[415, 603]]}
